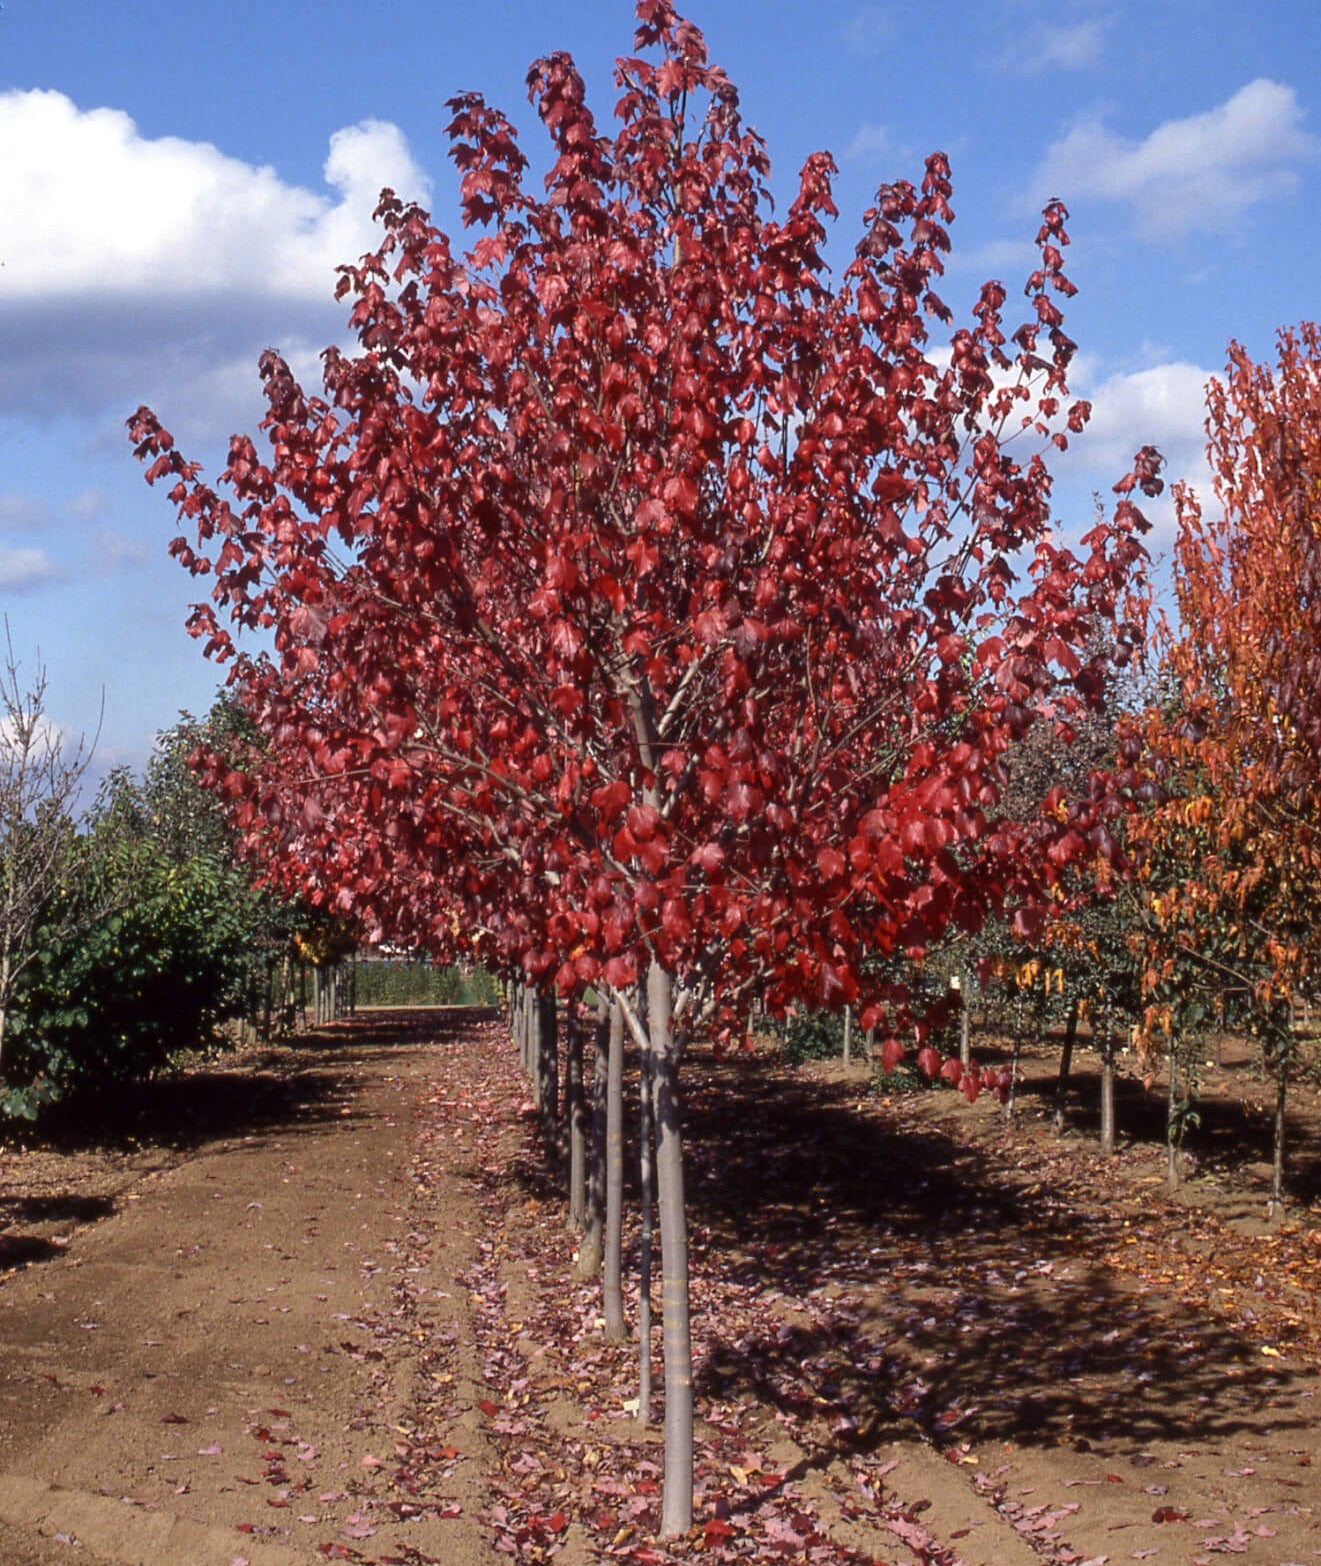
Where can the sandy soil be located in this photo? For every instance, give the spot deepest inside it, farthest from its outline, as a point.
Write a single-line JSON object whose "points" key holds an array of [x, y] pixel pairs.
{"points": [[326, 1316]]}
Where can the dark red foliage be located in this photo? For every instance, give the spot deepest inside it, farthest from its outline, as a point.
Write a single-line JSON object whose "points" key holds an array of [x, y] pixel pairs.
{"points": [[637, 589]]}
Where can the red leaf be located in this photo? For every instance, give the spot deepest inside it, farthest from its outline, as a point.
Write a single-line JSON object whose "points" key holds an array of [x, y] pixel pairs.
{"points": [[830, 863]]}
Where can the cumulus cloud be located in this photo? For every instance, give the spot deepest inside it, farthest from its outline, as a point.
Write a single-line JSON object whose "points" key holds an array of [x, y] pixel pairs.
{"points": [[126, 257], [25, 570], [93, 208], [1161, 405], [42, 739], [1200, 172]]}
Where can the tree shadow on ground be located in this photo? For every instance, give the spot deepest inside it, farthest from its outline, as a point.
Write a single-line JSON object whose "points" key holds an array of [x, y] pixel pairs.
{"points": [[20, 1214], [1230, 1135], [284, 1088], [908, 1283]]}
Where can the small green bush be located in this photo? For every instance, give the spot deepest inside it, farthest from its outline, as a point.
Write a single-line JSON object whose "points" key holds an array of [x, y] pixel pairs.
{"points": [[905, 1078], [814, 1035]]}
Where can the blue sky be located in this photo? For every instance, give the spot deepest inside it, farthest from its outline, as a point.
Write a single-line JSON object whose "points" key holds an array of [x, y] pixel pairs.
{"points": [[178, 181]]}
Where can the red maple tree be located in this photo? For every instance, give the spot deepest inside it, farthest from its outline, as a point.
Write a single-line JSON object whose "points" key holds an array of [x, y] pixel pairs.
{"points": [[648, 605]]}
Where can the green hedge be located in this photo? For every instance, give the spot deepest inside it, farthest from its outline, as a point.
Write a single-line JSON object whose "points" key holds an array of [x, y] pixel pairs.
{"points": [[405, 983]]}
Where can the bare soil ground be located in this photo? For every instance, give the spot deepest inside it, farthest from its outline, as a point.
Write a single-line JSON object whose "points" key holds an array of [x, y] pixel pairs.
{"points": [[317, 1306]]}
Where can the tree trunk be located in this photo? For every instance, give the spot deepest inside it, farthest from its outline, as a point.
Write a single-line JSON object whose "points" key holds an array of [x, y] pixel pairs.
{"points": [[1173, 1132], [525, 1032], [548, 1070], [677, 1494], [1283, 1059], [848, 1035], [1066, 1065], [6, 975], [576, 1115], [1011, 1098], [593, 1241], [965, 1019], [612, 1286], [646, 1169], [1107, 1088], [6, 980]]}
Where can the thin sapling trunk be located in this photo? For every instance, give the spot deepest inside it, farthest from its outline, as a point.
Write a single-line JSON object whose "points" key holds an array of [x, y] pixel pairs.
{"points": [[677, 1495], [576, 1114], [1066, 1064], [646, 1201], [591, 1249], [1107, 1086], [612, 1287]]}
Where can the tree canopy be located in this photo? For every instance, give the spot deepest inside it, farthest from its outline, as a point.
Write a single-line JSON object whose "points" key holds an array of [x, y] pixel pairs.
{"points": [[647, 602]]}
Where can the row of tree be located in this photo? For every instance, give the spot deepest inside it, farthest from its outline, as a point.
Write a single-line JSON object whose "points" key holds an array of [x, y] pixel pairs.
{"points": [[650, 612]]}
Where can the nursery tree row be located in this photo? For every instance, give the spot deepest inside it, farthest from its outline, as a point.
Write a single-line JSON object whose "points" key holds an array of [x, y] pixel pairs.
{"points": [[653, 611]]}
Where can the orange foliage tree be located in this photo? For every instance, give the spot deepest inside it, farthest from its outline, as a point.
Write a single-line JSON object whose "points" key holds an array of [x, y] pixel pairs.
{"points": [[1242, 734]]}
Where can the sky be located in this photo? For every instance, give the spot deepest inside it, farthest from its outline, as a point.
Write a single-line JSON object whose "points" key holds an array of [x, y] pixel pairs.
{"points": [[179, 181]]}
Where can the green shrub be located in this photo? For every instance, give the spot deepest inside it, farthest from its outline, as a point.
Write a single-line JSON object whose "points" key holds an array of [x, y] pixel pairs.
{"points": [[116, 1002], [814, 1035], [404, 982]]}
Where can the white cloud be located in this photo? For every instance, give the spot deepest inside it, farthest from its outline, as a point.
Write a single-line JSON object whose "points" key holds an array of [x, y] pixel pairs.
{"points": [[1197, 173], [94, 208], [131, 262], [1069, 46], [22, 513], [43, 738], [22, 570], [1163, 406]]}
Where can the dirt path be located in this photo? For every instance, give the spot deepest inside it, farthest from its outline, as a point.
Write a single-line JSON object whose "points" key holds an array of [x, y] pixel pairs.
{"points": [[222, 1368], [331, 1320]]}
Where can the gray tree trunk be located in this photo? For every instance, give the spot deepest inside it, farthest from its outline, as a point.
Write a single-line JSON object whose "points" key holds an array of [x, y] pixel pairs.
{"points": [[965, 1018], [646, 1202], [612, 1284], [677, 1492], [576, 1116], [591, 1249], [548, 1070], [1107, 1088]]}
